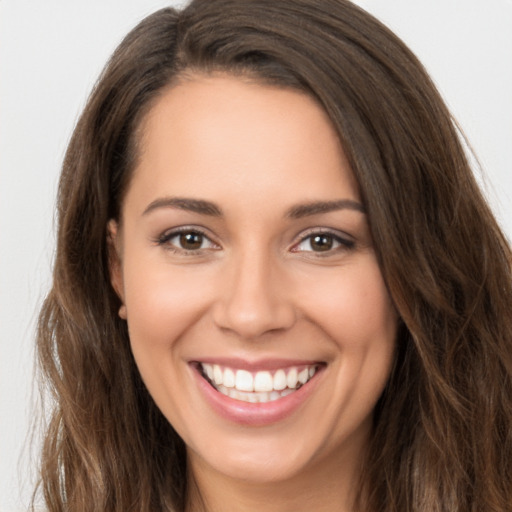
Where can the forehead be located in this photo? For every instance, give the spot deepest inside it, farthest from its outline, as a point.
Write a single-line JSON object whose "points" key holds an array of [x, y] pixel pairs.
{"points": [[214, 134]]}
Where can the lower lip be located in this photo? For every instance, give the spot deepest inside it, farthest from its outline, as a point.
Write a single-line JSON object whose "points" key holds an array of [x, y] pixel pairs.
{"points": [[255, 415]]}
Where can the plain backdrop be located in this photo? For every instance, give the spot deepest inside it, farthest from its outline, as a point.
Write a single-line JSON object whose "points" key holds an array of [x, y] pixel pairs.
{"points": [[50, 55]]}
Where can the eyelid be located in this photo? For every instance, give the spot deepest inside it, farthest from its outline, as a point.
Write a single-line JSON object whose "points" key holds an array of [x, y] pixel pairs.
{"points": [[345, 241], [164, 238]]}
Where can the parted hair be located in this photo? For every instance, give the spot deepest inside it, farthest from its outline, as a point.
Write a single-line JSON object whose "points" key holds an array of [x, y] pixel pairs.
{"points": [[442, 437]]}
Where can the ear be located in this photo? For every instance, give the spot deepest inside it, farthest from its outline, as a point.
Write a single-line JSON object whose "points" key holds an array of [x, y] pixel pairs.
{"points": [[115, 263]]}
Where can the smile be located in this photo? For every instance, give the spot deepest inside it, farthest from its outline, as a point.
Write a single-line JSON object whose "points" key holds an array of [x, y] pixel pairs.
{"points": [[257, 387]]}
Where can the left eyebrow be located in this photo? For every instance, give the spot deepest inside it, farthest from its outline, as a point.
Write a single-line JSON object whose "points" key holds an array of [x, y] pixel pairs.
{"points": [[184, 203], [304, 210]]}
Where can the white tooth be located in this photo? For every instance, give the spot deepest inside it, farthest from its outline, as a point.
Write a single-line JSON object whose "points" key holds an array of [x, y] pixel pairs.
{"points": [[253, 398], [263, 381], [233, 393], [279, 380], [264, 397], [229, 378], [222, 389], [287, 392], [291, 378], [244, 381], [208, 369], [217, 374], [303, 376], [274, 395], [312, 371]]}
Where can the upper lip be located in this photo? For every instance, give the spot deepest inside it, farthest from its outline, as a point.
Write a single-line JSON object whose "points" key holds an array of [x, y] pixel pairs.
{"points": [[256, 365]]}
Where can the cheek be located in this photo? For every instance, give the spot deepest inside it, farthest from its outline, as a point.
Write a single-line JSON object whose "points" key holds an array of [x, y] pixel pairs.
{"points": [[162, 305], [354, 308], [162, 302], [360, 320]]}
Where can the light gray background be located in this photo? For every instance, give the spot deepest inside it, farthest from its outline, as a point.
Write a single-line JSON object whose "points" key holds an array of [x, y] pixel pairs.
{"points": [[50, 55]]}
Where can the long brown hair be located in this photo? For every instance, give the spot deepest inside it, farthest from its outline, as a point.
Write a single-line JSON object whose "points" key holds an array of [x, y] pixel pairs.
{"points": [[443, 427]]}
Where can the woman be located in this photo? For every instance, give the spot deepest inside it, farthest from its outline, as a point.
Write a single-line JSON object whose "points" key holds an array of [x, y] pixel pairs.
{"points": [[277, 284]]}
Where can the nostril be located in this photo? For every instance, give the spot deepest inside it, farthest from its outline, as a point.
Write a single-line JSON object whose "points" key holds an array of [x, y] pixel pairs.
{"points": [[250, 321], [254, 300]]}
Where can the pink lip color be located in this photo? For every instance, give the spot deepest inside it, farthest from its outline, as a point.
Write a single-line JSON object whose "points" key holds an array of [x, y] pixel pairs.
{"points": [[257, 365], [254, 415]]}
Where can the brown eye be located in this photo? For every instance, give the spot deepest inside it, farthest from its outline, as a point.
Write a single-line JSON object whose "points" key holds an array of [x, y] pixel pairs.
{"points": [[186, 242], [191, 241], [321, 243]]}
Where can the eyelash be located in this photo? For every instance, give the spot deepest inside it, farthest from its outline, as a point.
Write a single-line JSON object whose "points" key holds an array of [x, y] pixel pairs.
{"points": [[165, 240], [340, 243], [343, 244]]}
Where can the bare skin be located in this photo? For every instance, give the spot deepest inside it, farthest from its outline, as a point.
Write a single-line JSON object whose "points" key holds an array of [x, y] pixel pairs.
{"points": [[244, 245]]}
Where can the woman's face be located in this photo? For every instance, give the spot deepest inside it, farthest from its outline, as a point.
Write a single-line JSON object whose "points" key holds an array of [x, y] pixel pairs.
{"points": [[257, 313]]}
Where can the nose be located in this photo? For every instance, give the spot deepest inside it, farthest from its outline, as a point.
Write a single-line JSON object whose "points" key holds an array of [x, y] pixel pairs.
{"points": [[255, 298]]}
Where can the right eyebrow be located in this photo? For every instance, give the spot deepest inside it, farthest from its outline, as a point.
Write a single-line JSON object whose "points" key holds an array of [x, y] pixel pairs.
{"points": [[318, 207], [184, 203]]}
